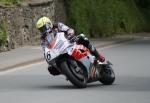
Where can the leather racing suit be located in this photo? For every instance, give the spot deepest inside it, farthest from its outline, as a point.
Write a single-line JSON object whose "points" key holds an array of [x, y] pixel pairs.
{"points": [[69, 34]]}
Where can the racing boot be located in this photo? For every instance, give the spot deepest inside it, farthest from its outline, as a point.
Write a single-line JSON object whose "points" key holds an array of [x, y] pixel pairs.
{"points": [[94, 52], [53, 70]]}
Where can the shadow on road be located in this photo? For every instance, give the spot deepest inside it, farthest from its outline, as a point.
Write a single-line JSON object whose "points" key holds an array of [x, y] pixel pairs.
{"points": [[63, 87], [42, 83]]}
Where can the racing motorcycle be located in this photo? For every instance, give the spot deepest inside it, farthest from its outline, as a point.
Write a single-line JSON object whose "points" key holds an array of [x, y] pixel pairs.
{"points": [[76, 63]]}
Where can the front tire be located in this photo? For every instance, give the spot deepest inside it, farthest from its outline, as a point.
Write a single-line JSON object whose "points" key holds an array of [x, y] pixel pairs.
{"points": [[107, 75], [68, 71]]}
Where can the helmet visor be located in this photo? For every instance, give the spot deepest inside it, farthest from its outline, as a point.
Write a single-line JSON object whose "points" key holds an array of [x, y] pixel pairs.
{"points": [[45, 29]]}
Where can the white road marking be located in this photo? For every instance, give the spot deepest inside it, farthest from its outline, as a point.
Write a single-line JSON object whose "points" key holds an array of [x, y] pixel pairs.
{"points": [[20, 68]]}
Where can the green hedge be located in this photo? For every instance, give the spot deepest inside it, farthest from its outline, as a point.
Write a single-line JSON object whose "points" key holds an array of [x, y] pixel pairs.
{"points": [[10, 2], [3, 33], [106, 17]]}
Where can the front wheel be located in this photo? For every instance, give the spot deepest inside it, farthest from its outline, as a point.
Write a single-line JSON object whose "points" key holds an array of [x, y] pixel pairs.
{"points": [[107, 75], [74, 73]]}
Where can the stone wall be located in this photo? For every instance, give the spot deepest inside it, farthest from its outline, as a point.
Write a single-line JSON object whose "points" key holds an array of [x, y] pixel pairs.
{"points": [[20, 20]]}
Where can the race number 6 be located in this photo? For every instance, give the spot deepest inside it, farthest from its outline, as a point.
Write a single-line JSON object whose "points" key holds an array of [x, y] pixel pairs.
{"points": [[48, 56]]}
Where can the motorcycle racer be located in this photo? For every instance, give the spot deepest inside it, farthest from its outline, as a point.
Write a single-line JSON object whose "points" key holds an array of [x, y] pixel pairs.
{"points": [[49, 30]]}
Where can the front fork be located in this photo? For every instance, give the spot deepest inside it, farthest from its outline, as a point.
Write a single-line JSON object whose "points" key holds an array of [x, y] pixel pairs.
{"points": [[94, 74]]}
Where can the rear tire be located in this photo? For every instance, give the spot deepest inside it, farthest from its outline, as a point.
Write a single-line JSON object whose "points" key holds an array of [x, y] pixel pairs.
{"points": [[66, 69]]}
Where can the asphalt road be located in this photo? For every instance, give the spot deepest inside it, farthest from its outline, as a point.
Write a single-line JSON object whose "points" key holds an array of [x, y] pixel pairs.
{"points": [[33, 84]]}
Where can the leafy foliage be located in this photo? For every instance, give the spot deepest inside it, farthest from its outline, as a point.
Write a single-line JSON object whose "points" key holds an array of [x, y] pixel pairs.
{"points": [[106, 17], [3, 33], [10, 2]]}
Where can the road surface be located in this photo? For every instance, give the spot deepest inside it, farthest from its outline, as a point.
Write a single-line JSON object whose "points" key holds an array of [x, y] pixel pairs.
{"points": [[33, 84]]}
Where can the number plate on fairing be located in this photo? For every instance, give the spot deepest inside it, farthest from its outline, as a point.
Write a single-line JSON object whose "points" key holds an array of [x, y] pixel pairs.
{"points": [[51, 54]]}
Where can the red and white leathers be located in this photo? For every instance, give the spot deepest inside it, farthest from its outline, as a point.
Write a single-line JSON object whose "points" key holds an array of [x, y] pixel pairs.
{"points": [[69, 34]]}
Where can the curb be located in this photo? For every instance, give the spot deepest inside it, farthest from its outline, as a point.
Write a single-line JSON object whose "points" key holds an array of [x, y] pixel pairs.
{"points": [[22, 64], [116, 42]]}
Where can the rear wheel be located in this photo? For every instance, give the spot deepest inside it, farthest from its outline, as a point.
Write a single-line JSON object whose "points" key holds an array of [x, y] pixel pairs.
{"points": [[74, 73], [107, 75]]}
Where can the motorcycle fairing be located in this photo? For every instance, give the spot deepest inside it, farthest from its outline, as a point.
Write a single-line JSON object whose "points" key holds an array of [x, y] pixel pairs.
{"points": [[61, 46]]}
